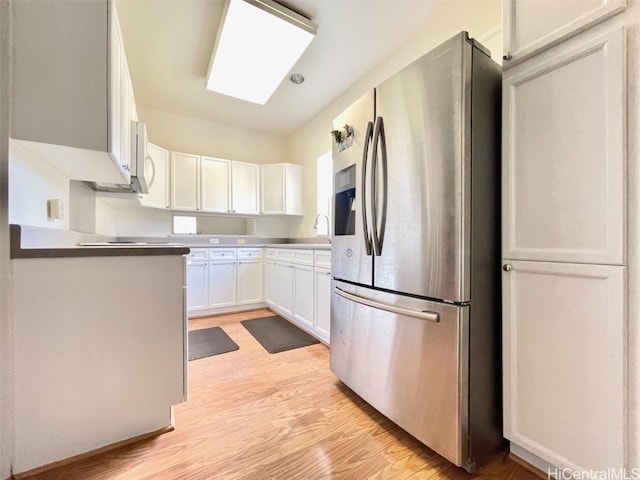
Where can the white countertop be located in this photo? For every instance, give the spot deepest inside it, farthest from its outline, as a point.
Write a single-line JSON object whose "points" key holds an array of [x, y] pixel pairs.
{"points": [[304, 246]]}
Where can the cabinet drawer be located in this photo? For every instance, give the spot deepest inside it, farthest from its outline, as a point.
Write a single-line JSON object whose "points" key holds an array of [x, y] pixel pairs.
{"points": [[285, 255], [304, 257], [249, 253], [198, 254], [272, 254], [323, 258], [222, 253]]}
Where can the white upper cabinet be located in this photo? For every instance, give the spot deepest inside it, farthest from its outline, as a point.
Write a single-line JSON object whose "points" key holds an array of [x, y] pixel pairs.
{"points": [[185, 184], [210, 184], [157, 164], [282, 189], [67, 90], [245, 188], [564, 154], [215, 174], [532, 25]]}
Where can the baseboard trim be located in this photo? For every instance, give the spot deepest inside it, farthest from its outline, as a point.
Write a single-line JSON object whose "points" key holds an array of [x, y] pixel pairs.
{"points": [[527, 466], [213, 312], [92, 453]]}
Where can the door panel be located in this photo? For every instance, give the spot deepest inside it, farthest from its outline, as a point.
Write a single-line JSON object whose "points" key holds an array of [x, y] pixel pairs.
{"points": [[410, 369], [350, 260], [564, 337], [564, 155], [425, 112]]}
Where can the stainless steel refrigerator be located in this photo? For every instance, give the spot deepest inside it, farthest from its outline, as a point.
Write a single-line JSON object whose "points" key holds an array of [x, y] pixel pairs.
{"points": [[415, 319]]}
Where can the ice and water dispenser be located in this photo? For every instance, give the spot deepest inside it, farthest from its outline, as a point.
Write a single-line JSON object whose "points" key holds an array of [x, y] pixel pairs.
{"points": [[344, 202]]}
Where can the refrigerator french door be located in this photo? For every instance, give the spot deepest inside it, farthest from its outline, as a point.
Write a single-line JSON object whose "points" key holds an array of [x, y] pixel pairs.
{"points": [[374, 326], [416, 231], [411, 154]]}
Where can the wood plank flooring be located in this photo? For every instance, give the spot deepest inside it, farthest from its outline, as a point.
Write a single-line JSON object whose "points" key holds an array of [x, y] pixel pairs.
{"points": [[254, 415]]}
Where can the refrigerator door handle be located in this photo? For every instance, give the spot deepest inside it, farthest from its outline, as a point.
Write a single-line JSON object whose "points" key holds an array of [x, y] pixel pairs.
{"points": [[379, 226], [420, 314], [365, 158]]}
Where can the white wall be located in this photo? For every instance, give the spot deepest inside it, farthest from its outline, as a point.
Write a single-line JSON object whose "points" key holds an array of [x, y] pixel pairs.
{"points": [[31, 183], [190, 135], [82, 207], [124, 218], [304, 146]]}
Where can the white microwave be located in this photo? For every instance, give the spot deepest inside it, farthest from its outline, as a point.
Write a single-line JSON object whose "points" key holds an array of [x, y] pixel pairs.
{"points": [[141, 163], [141, 170]]}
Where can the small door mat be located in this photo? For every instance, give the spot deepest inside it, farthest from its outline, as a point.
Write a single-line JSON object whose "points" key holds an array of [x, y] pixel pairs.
{"points": [[207, 342], [276, 334]]}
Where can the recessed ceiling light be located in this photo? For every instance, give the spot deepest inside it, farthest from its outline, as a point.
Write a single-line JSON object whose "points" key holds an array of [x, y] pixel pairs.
{"points": [[258, 43], [297, 78]]}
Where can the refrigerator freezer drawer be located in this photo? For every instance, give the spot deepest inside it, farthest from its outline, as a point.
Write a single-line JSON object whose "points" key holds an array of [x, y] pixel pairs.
{"points": [[406, 358]]}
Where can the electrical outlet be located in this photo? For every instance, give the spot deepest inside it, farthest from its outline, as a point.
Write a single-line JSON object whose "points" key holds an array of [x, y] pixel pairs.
{"points": [[241, 240], [214, 240]]}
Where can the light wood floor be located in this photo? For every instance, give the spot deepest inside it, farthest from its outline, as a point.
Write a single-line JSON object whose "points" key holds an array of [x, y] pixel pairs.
{"points": [[254, 415]]}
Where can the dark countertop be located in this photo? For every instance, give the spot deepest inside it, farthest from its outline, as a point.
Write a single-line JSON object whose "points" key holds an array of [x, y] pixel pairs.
{"points": [[36, 242]]}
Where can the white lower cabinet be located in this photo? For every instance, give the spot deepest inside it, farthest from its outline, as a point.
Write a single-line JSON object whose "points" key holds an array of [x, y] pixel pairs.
{"points": [[249, 282], [222, 283], [303, 294], [564, 362], [224, 279], [271, 277], [298, 287], [322, 306], [296, 283], [284, 288], [197, 285]]}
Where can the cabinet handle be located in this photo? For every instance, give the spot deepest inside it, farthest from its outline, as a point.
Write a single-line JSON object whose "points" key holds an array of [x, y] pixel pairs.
{"points": [[506, 267], [328, 273], [507, 56]]}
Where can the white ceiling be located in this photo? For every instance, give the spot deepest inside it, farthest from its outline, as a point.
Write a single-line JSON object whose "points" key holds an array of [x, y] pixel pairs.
{"points": [[169, 42]]}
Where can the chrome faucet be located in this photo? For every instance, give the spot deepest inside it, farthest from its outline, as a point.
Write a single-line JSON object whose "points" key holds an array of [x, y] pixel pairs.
{"points": [[315, 225]]}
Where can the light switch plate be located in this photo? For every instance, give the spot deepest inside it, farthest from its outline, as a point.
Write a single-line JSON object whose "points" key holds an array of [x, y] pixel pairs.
{"points": [[55, 209]]}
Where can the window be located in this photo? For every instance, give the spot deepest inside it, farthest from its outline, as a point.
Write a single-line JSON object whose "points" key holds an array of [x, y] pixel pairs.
{"points": [[184, 224], [324, 191]]}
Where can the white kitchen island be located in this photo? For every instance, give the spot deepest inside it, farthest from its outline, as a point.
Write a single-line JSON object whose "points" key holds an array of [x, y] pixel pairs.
{"points": [[99, 348]]}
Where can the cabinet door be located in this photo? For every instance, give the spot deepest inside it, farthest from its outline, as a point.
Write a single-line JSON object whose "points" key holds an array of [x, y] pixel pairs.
{"points": [[322, 296], [197, 286], [215, 185], [532, 25], [157, 164], [249, 281], [272, 282], [125, 113], [185, 188], [273, 201], [222, 284], [282, 189], [303, 295], [284, 281], [564, 362], [244, 188], [564, 154], [116, 52], [293, 187]]}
